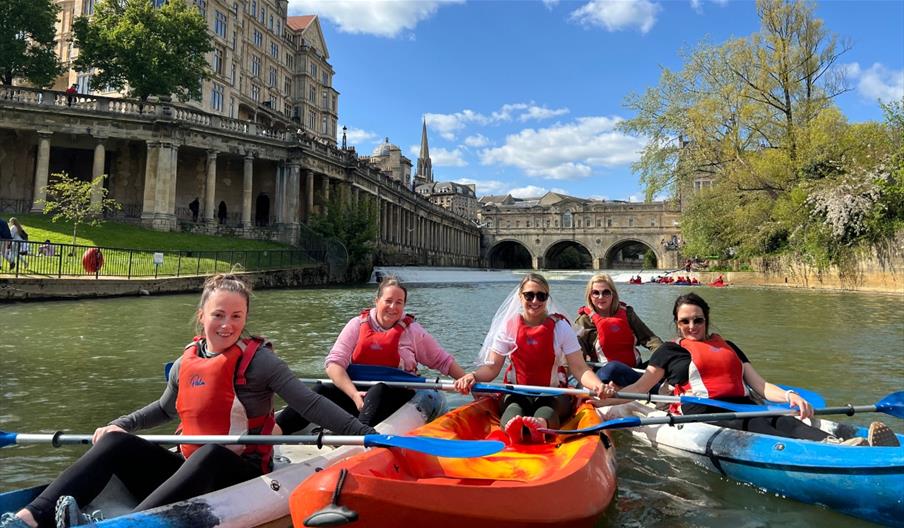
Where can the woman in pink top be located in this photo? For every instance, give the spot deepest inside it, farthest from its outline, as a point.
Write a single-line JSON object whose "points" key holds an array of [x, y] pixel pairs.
{"points": [[384, 335]]}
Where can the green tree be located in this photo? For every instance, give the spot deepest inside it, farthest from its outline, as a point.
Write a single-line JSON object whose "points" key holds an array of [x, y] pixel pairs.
{"points": [[355, 227], [77, 201], [27, 38], [131, 45]]}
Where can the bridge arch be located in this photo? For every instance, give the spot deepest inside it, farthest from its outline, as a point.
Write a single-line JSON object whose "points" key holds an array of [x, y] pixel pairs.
{"points": [[567, 254], [510, 254], [629, 253]]}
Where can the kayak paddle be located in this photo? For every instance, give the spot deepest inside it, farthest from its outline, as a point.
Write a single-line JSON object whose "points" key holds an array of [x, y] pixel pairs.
{"points": [[369, 374], [432, 446], [892, 404]]}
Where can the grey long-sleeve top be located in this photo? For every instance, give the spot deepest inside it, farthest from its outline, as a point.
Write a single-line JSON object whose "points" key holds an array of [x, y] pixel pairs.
{"points": [[267, 374]]}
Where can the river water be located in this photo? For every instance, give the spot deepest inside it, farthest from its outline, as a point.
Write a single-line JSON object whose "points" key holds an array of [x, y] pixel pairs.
{"points": [[74, 365]]}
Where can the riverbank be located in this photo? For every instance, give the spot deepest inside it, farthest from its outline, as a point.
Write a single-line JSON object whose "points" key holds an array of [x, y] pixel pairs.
{"points": [[44, 289]]}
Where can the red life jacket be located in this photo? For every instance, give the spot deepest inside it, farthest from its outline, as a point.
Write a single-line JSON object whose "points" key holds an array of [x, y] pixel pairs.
{"points": [[534, 359], [207, 401], [379, 348], [715, 371], [615, 339]]}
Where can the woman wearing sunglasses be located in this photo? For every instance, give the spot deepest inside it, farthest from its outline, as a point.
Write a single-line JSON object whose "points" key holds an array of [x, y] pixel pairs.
{"points": [[608, 331], [705, 365], [538, 342]]}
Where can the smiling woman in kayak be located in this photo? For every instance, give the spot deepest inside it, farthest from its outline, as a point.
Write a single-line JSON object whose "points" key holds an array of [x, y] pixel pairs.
{"points": [[538, 344], [608, 331], [386, 336], [218, 373], [704, 365]]}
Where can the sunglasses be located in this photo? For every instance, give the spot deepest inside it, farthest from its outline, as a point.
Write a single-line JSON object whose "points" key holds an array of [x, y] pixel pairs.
{"points": [[530, 296], [695, 320], [598, 293]]}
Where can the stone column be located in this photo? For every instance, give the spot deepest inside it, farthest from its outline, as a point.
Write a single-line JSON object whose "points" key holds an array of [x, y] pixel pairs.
{"points": [[42, 171], [325, 194], [210, 188], [97, 170], [246, 189], [148, 207], [293, 190], [309, 207], [537, 262]]}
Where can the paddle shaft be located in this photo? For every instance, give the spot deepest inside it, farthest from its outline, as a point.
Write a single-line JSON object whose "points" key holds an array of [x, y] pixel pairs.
{"points": [[849, 410], [59, 439]]}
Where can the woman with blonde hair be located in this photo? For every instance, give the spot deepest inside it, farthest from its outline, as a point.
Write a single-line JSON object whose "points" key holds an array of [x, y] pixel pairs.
{"points": [[609, 330]]}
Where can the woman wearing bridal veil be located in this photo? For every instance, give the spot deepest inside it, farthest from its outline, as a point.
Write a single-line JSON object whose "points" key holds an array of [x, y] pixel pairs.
{"points": [[538, 341]]}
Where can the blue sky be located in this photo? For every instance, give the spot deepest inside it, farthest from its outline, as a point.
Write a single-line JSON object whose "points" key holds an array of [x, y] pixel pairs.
{"points": [[523, 96]]}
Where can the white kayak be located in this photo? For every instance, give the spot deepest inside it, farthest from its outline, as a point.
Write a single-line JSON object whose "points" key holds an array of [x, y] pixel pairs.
{"points": [[257, 502]]}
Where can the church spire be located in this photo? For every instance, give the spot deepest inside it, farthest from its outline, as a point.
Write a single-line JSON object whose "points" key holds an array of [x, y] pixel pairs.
{"points": [[424, 172]]}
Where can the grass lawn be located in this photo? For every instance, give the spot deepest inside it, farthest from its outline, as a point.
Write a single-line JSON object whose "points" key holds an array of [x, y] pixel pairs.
{"points": [[183, 253], [112, 234]]}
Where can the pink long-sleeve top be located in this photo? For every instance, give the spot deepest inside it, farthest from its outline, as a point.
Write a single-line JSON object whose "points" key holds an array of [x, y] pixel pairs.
{"points": [[416, 346]]}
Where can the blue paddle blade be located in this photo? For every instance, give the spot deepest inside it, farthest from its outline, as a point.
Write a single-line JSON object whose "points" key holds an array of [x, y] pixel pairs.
{"points": [[7, 438], [380, 373], [892, 404], [815, 399], [437, 446]]}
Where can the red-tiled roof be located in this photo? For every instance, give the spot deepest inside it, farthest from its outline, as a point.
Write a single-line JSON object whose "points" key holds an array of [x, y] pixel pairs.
{"points": [[299, 23]]}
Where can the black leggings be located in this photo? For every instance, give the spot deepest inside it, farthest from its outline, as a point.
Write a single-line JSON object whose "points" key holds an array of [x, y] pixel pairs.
{"points": [[784, 426], [379, 403], [551, 408], [152, 474]]}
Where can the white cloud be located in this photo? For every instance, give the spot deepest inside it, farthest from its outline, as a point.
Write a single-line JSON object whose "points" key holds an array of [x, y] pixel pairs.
{"points": [[441, 157], [485, 187], [600, 197], [383, 18], [566, 151], [550, 3], [877, 81], [356, 136], [530, 191], [616, 15], [477, 141], [448, 125]]}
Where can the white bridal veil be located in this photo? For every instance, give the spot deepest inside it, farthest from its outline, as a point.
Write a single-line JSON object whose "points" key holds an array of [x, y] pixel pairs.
{"points": [[501, 336]]}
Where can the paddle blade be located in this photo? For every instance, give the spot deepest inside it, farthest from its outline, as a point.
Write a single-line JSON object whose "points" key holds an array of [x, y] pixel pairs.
{"points": [[380, 373], [892, 404], [437, 446], [7, 438]]}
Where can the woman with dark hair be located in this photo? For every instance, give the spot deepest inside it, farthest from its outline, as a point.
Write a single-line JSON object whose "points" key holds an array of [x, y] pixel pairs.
{"points": [[703, 364]]}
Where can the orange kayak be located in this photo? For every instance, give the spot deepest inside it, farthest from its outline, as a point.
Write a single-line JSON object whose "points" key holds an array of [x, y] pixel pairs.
{"points": [[567, 481]]}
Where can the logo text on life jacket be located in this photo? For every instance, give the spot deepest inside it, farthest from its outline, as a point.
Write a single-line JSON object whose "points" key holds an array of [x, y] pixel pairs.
{"points": [[196, 381], [714, 348], [614, 328], [532, 341], [375, 346]]}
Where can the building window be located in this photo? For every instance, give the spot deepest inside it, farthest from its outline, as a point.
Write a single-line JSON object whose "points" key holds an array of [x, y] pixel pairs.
{"points": [[271, 22], [313, 70], [324, 128], [263, 16], [255, 93], [158, 3], [334, 104], [566, 220], [323, 101], [312, 120], [274, 50], [216, 97], [84, 83], [287, 109], [312, 94], [630, 222], [218, 61], [255, 66], [608, 222], [326, 80], [288, 86], [258, 38], [233, 74], [253, 8], [273, 77], [235, 8], [699, 185], [219, 25], [88, 7]]}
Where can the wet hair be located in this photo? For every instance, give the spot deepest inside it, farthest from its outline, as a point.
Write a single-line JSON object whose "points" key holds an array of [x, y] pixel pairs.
{"points": [[386, 282], [534, 277], [604, 278], [694, 300], [229, 282]]}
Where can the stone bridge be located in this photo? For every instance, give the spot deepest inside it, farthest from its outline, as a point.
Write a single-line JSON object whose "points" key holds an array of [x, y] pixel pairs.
{"points": [[558, 231]]}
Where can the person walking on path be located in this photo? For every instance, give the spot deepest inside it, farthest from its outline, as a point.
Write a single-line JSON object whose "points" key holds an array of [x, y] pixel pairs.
{"points": [[6, 238], [195, 207]]}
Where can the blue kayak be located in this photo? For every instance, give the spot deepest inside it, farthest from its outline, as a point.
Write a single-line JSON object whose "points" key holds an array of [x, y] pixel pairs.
{"points": [[865, 482]]}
